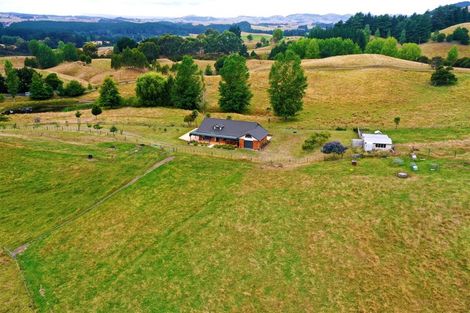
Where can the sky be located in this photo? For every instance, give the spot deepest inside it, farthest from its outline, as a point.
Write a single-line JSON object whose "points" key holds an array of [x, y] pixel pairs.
{"points": [[216, 8]]}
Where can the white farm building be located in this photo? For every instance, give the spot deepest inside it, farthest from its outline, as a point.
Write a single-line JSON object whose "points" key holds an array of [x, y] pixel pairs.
{"points": [[374, 142]]}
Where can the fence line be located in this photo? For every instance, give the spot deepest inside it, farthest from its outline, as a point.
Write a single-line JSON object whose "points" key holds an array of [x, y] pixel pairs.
{"points": [[174, 148]]}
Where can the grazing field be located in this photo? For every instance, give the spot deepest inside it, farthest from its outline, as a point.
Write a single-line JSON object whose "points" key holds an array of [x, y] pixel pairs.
{"points": [[441, 49], [222, 234], [45, 183], [64, 184], [343, 92], [212, 235]]}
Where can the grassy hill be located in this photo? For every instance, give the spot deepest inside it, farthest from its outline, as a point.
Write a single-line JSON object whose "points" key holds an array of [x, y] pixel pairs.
{"points": [[433, 49], [324, 236], [281, 230], [451, 29]]}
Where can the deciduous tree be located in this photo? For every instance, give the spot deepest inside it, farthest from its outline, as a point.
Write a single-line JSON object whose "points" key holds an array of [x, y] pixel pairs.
{"points": [[278, 34], [453, 55], [151, 90]]}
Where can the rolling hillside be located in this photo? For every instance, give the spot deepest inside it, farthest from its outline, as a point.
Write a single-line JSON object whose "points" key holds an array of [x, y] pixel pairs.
{"points": [[433, 49], [451, 29], [299, 233]]}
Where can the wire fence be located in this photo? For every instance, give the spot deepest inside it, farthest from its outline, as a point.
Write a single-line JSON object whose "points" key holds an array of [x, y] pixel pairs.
{"points": [[122, 136]]}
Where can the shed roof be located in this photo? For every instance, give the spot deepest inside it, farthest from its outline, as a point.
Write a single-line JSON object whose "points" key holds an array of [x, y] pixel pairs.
{"points": [[230, 129], [377, 138]]}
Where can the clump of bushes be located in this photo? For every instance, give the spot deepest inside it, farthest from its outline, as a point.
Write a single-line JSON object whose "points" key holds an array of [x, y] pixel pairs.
{"points": [[73, 89], [225, 147], [334, 147], [315, 140]]}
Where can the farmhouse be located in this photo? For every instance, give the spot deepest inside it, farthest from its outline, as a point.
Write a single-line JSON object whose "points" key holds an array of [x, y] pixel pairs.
{"points": [[245, 135]]}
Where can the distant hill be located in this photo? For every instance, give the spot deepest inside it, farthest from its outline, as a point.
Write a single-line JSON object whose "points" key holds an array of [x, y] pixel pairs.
{"points": [[464, 4], [290, 22]]}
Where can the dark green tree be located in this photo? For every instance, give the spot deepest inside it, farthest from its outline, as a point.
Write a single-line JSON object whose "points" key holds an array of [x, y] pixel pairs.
{"points": [[96, 110], [39, 89], [188, 88], [236, 30], [132, 58], [234, 88], [3, 86], [73, 89], [45, 56], [287, 85], [109, 94], [54, 81], [124, 43], [443, 76], [12, 81], [219, 64], [70, 52], [25, 75], [150, 50]]}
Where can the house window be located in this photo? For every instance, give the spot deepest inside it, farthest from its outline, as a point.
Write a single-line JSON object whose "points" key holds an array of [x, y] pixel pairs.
{"points": [[380, 145]]}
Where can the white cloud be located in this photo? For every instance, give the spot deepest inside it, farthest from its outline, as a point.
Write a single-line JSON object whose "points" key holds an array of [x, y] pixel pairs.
{"points": [[221, 8]]}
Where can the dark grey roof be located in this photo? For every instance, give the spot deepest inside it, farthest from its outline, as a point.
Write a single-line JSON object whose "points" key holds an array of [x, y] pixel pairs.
{"points": [[230, 129]]}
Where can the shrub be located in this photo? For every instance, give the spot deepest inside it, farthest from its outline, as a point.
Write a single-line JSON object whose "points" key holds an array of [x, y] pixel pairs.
{"points": [[410, 51], [151, 90], [73, 89], [443, 76], [31, 62], [54, 81], [225, 147], [334, 147], [96, 110], [437, 62], [315, 140], [113, 129], [208, 71], [463, 62], [39, 89], [85, 59], [423, 59]]}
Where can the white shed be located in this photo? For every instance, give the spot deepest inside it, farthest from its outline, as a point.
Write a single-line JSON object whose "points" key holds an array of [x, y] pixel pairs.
{"points": [[377, 141]]}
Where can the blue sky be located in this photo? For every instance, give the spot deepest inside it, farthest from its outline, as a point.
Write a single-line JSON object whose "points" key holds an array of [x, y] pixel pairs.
{"points": [[220, 8]]}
